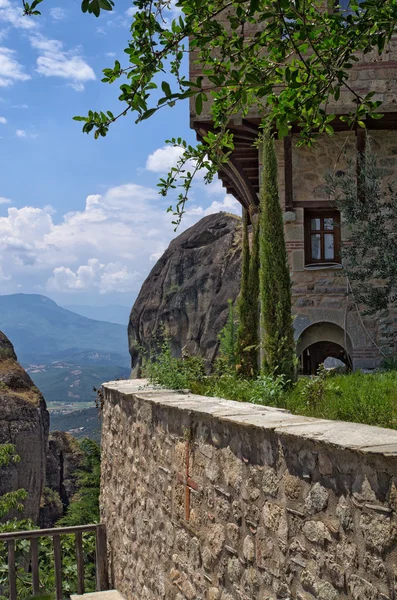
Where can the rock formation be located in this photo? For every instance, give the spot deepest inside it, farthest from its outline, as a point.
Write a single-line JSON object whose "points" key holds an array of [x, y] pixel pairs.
{"points": [[188, 289], [24, 422], [64, 457]]}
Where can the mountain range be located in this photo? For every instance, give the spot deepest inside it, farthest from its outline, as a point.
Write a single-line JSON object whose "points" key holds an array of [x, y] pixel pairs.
{"points": [[112, 313], [42, 331], [67, 355]]}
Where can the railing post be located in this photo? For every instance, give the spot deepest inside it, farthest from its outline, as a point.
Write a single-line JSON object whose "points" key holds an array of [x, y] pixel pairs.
{"points": [[58, 566], [102, 577], [34, 549], [12, 577], [80, 562]]}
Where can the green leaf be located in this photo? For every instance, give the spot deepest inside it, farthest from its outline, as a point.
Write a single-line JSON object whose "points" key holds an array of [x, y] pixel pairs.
{"points": [[165, 86], [147, 114], [199, 104]]}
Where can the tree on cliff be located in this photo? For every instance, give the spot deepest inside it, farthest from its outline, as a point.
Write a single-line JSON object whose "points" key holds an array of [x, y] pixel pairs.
{"points": [[248, 309], [294, 60], [275, 283]]}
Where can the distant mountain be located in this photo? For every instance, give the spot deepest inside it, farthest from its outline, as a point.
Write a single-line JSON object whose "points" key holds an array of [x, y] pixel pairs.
{"points": [[40, 330], [112, 313]]}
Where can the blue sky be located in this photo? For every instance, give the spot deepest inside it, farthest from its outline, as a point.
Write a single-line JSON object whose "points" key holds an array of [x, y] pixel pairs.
{"points": [[80, 219]]}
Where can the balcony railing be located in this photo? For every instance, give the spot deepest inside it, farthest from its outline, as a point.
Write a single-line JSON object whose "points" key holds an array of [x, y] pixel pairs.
{"points": [[10, 539]]}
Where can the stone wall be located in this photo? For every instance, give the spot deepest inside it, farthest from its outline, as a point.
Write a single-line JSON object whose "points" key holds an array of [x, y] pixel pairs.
{"points": [[280, 506]]}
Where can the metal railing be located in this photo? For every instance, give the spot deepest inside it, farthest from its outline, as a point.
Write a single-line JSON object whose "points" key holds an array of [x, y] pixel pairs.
{"points": [[102, 582]]}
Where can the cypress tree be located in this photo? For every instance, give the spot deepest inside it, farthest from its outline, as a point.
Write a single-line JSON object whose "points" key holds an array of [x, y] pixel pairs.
{"points": [[275, 282], [248, 339]]}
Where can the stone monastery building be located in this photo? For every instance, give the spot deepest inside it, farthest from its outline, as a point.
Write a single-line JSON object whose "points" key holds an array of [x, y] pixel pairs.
{"points": [[327, 321]]}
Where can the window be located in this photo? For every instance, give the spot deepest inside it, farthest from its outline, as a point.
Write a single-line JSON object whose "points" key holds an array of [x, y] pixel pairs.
{"points": [[322, 237]]}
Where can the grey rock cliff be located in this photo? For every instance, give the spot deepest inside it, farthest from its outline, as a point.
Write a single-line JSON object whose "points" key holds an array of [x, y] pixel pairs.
{"points": [[64, 457], [188, 289], [24, 422]]}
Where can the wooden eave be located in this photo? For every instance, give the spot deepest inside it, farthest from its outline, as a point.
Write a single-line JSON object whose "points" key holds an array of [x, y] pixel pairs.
{"points": [[240, 176]]}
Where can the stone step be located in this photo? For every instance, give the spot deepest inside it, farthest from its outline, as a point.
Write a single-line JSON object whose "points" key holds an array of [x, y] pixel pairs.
{"points": [[108, 595]]}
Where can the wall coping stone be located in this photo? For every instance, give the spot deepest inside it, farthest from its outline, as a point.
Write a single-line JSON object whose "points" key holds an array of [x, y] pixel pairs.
{"points": [[340, 434]]}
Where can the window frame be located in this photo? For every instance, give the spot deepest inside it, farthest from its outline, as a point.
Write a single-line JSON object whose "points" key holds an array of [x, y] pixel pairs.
{"points": [[312, 213]]}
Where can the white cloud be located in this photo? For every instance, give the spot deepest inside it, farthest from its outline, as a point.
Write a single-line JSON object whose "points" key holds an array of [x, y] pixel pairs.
{"points": [[12, 13], [93, 276], [54, 61], [130, 12], [57, 13], [110, 54], [163, 159], [21, 133], [3, 120], [11, 70], [106, 247], [4, 200], [229, 204], [20, 106]]}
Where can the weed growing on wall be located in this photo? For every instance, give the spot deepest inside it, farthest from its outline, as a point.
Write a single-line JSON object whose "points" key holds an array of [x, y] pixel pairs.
{"points": [[174, 373]]}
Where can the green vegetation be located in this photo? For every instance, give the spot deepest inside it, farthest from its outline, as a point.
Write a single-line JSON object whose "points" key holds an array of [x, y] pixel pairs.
{"points": [[370, 225], [174, 373], [295, 65], [248, 309], [355, 397], [11, 500], [228, 339], [83, 509], [275, 283], [46, 564]]}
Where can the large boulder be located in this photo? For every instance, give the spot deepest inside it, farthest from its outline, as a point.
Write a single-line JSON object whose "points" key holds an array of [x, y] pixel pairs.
{"points": [[188, 289], [24, 422]]}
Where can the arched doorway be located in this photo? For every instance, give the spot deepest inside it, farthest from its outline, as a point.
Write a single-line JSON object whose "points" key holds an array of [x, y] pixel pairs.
{"points": [[320, 342]]}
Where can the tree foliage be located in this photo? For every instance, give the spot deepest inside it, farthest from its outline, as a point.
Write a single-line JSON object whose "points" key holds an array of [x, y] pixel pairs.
{"points": [[228, 338], [248, 305], [293, 63], [13, 500], [84, 507], [275, 283], [369, 209]]}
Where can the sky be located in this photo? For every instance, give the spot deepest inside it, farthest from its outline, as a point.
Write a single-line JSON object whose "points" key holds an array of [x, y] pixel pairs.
{"points": [[81, 220]]}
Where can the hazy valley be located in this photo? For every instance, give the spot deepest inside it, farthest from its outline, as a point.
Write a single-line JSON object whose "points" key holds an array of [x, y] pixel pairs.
{"points": [[67, 355]]}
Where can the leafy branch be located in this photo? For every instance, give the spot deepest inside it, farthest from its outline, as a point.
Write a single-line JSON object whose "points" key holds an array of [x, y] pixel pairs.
{"points": [[285, 61]]}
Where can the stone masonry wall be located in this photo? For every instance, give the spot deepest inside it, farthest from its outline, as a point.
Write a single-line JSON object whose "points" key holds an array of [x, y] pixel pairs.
{"points": [[280, 506]]}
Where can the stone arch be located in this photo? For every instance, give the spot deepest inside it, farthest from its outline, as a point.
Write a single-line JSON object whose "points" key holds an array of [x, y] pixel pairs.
{"points": [[321, 340]]}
